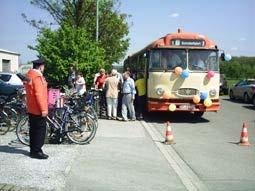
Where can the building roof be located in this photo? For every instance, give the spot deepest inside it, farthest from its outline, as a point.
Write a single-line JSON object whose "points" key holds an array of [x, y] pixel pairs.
{"points": [[9, 52]]}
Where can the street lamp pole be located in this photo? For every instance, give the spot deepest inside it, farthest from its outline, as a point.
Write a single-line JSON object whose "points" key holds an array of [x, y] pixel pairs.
{"points": [[97, 25]]}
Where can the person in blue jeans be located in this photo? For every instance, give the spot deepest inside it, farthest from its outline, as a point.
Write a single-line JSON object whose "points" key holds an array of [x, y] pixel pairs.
{"points": [[128, 91]]}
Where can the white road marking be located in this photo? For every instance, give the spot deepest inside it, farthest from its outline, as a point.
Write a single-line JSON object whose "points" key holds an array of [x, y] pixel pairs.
{"points": [[190, 180]]}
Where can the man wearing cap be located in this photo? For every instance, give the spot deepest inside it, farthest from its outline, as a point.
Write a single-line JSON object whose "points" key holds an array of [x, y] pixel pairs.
{"points": [[37, 106]]}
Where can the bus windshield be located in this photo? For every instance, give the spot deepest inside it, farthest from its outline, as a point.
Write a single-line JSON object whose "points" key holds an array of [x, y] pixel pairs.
{"points": [[203, 60], [198, 60], [167, 59]]}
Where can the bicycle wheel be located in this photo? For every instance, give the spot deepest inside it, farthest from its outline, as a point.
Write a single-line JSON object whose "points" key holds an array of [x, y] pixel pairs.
{"points": [[82, 129], [5, 123], [12, 116], [22, 130], [90, 110], [96, 107]]}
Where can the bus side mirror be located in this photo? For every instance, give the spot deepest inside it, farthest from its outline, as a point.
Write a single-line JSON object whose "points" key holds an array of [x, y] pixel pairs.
{"points": [[225, 57]]}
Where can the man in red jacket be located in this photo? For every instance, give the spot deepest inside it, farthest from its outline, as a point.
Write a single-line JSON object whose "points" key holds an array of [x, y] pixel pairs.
{"points": [[37, 106]]}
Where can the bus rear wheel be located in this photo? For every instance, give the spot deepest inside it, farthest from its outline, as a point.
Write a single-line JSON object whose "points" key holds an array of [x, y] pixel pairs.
{"points": [[198, 114]]}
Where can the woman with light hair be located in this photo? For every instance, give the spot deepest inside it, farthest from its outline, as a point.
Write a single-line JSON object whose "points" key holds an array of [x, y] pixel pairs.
{"points": [[111, 85]]}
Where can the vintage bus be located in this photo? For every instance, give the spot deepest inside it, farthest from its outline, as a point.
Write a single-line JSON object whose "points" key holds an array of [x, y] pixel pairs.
{"points": [[182, 73]]}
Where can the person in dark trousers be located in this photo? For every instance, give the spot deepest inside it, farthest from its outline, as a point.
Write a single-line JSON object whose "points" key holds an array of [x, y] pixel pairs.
{"points": [[37, 106], [140, 85]]}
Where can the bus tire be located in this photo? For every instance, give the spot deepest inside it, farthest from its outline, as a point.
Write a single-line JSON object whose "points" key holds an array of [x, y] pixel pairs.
{"points": [[225, 91]]}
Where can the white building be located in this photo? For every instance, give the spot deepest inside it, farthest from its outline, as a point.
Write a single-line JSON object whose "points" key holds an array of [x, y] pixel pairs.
{"points": [[9, 61], [23, 69]]}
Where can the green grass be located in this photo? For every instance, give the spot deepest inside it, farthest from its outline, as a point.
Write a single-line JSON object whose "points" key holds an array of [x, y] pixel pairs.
{"points": [[231, 82]]}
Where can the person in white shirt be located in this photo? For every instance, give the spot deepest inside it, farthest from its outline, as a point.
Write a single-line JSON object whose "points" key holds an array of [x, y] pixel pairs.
{"points": [[80, 84]]}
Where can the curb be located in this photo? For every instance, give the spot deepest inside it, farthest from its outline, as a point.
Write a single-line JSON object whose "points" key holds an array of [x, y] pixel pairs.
{"points": [[188, 177]]}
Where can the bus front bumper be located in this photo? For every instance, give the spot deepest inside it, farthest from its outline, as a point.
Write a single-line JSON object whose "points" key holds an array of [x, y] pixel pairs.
{"points": [[182, 106]]}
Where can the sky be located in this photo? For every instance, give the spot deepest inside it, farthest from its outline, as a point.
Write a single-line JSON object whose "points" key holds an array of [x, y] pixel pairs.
{"points": [[230, 23]]}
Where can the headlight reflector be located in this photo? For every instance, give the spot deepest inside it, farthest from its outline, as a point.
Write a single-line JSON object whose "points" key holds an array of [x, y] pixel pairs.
{"points": [[160, 91], [213, 92]]}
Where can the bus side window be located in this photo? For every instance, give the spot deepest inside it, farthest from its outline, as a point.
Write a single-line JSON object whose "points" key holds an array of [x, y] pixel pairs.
{"points": [[155, 59]]}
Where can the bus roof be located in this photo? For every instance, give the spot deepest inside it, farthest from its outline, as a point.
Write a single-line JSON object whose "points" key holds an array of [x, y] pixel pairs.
{"points": [[181, 39]]}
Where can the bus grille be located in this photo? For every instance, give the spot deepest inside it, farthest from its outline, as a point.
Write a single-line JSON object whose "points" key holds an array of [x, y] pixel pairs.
{"points": [[187, 92]]}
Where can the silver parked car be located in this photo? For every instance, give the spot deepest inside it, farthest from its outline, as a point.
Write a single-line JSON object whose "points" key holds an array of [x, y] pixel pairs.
{"points": [[244, 89]]}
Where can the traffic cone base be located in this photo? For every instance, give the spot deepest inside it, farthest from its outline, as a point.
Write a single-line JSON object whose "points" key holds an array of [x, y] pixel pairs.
{"points": [[169, 142], [244, 144]]}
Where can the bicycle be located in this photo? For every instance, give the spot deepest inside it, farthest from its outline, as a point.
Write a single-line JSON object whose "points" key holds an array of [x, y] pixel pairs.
{"points": [[5, 123], [87, 102], [99, 101], [13, 107], [78, 128]]}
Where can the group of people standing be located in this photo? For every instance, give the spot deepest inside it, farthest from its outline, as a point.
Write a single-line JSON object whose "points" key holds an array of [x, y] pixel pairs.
{"points": [[123, 96], [120, 89]]}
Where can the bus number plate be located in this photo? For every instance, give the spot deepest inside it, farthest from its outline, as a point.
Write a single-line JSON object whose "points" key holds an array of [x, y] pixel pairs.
{"points": [[187, 107]]}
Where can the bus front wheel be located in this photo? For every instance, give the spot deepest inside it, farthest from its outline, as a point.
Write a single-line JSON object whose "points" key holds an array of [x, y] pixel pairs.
{"points": [[198, 114]]}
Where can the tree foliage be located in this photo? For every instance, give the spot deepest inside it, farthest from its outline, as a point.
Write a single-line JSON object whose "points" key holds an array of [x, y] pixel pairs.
{"points": [[113, 26], [67, 47], [239, 67]]}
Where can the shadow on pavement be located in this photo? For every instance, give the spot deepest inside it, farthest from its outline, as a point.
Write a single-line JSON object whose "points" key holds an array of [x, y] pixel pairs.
{"points": [[251, 107], [181, 117], [239, 101], [234, 143], [12, 150]]}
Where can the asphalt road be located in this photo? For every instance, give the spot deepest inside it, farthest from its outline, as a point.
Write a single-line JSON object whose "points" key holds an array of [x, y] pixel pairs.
{"points": [[208, 146]]}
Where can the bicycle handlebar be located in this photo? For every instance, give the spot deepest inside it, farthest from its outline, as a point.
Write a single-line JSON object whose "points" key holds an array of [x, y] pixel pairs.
{"points": [[96, 89]]}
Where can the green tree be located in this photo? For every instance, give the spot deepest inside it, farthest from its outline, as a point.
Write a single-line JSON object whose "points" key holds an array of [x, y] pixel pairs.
{"points": [[239, 67], [66, 47], [113, 25]]}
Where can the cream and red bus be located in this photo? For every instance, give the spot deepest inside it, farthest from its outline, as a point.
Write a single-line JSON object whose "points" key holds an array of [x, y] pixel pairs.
{"points": [[182, 73]]}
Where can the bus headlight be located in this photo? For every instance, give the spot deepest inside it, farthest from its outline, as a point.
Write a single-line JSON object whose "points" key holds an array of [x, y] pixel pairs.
{"points": [[212, 92], [160, 91]]}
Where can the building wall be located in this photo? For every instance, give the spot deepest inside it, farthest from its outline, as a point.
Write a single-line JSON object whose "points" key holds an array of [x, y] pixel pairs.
{"points": [[23, 69], [13, 59]]}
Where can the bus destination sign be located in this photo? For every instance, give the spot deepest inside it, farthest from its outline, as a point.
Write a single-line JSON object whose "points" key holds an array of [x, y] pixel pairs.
{"points": [[188, 42]]}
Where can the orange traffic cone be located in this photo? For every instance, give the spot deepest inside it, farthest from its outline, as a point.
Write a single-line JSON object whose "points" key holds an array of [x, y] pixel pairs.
{"points": [[169, 135], [244, 140]]}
